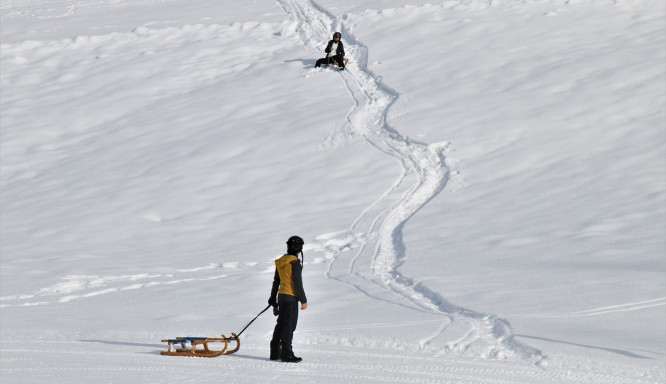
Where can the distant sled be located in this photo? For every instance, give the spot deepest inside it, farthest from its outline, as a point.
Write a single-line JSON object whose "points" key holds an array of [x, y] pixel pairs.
{"points": [[336, 65]]}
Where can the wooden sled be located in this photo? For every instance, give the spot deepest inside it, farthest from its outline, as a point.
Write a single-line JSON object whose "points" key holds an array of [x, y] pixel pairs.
{"points": [[335, 63], [194, 342]]}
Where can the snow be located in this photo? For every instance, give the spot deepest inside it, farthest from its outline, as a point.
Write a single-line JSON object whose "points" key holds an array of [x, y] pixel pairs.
{"points": [[482, 193]]}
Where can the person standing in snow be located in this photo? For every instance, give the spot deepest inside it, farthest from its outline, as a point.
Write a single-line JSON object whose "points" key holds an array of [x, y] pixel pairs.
{"points": [[335, 51], [286, 292]]}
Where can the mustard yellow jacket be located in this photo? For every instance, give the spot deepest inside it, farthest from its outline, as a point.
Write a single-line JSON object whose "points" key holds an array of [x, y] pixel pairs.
{"points": [[288, 279]]}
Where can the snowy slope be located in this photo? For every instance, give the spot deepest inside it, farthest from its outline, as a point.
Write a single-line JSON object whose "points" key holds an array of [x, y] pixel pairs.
{"points": [[482, 192]]}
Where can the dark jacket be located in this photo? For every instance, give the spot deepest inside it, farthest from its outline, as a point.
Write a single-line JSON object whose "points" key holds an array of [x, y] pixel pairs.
{"points": [[339, 51]]}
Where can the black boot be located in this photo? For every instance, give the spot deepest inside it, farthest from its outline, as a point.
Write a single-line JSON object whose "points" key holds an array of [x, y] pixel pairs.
{"points": [[290, 358]]}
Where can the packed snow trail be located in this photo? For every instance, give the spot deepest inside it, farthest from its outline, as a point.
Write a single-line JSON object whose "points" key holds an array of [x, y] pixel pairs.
{"points": [[369, 254]]}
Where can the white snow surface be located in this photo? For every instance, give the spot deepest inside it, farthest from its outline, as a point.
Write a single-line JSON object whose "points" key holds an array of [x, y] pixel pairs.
{"points": [[482, 192]]}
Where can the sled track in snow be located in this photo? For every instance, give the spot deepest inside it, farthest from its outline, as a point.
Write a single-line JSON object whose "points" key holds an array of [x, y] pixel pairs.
{"points": [[369, 254]]}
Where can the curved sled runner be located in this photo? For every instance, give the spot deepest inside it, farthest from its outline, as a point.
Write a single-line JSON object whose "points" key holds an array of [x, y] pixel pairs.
{"points": [[194, 342]]}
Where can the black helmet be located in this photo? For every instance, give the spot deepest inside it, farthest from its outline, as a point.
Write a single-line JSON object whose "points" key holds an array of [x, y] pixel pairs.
{"points": [[295, 244], [338, 35]]}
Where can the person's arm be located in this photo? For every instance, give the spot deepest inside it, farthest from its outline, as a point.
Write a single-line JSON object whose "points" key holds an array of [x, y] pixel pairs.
{"points": [[274, 289], [296, 275]]}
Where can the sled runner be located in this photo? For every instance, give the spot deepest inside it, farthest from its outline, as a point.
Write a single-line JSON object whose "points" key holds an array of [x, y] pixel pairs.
{"points": [[194, 342], [188, 345]]}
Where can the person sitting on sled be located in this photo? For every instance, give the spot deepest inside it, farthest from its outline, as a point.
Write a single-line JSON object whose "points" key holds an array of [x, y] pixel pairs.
{"points": [[286, 292], [336, 46]]}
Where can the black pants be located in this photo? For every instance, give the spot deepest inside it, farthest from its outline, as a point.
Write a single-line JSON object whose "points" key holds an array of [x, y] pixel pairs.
{"points": [[329, 60], [283, 333]]}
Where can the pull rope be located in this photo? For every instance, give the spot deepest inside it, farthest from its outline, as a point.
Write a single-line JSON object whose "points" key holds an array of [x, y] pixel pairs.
{"points": [[248, 324]]}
